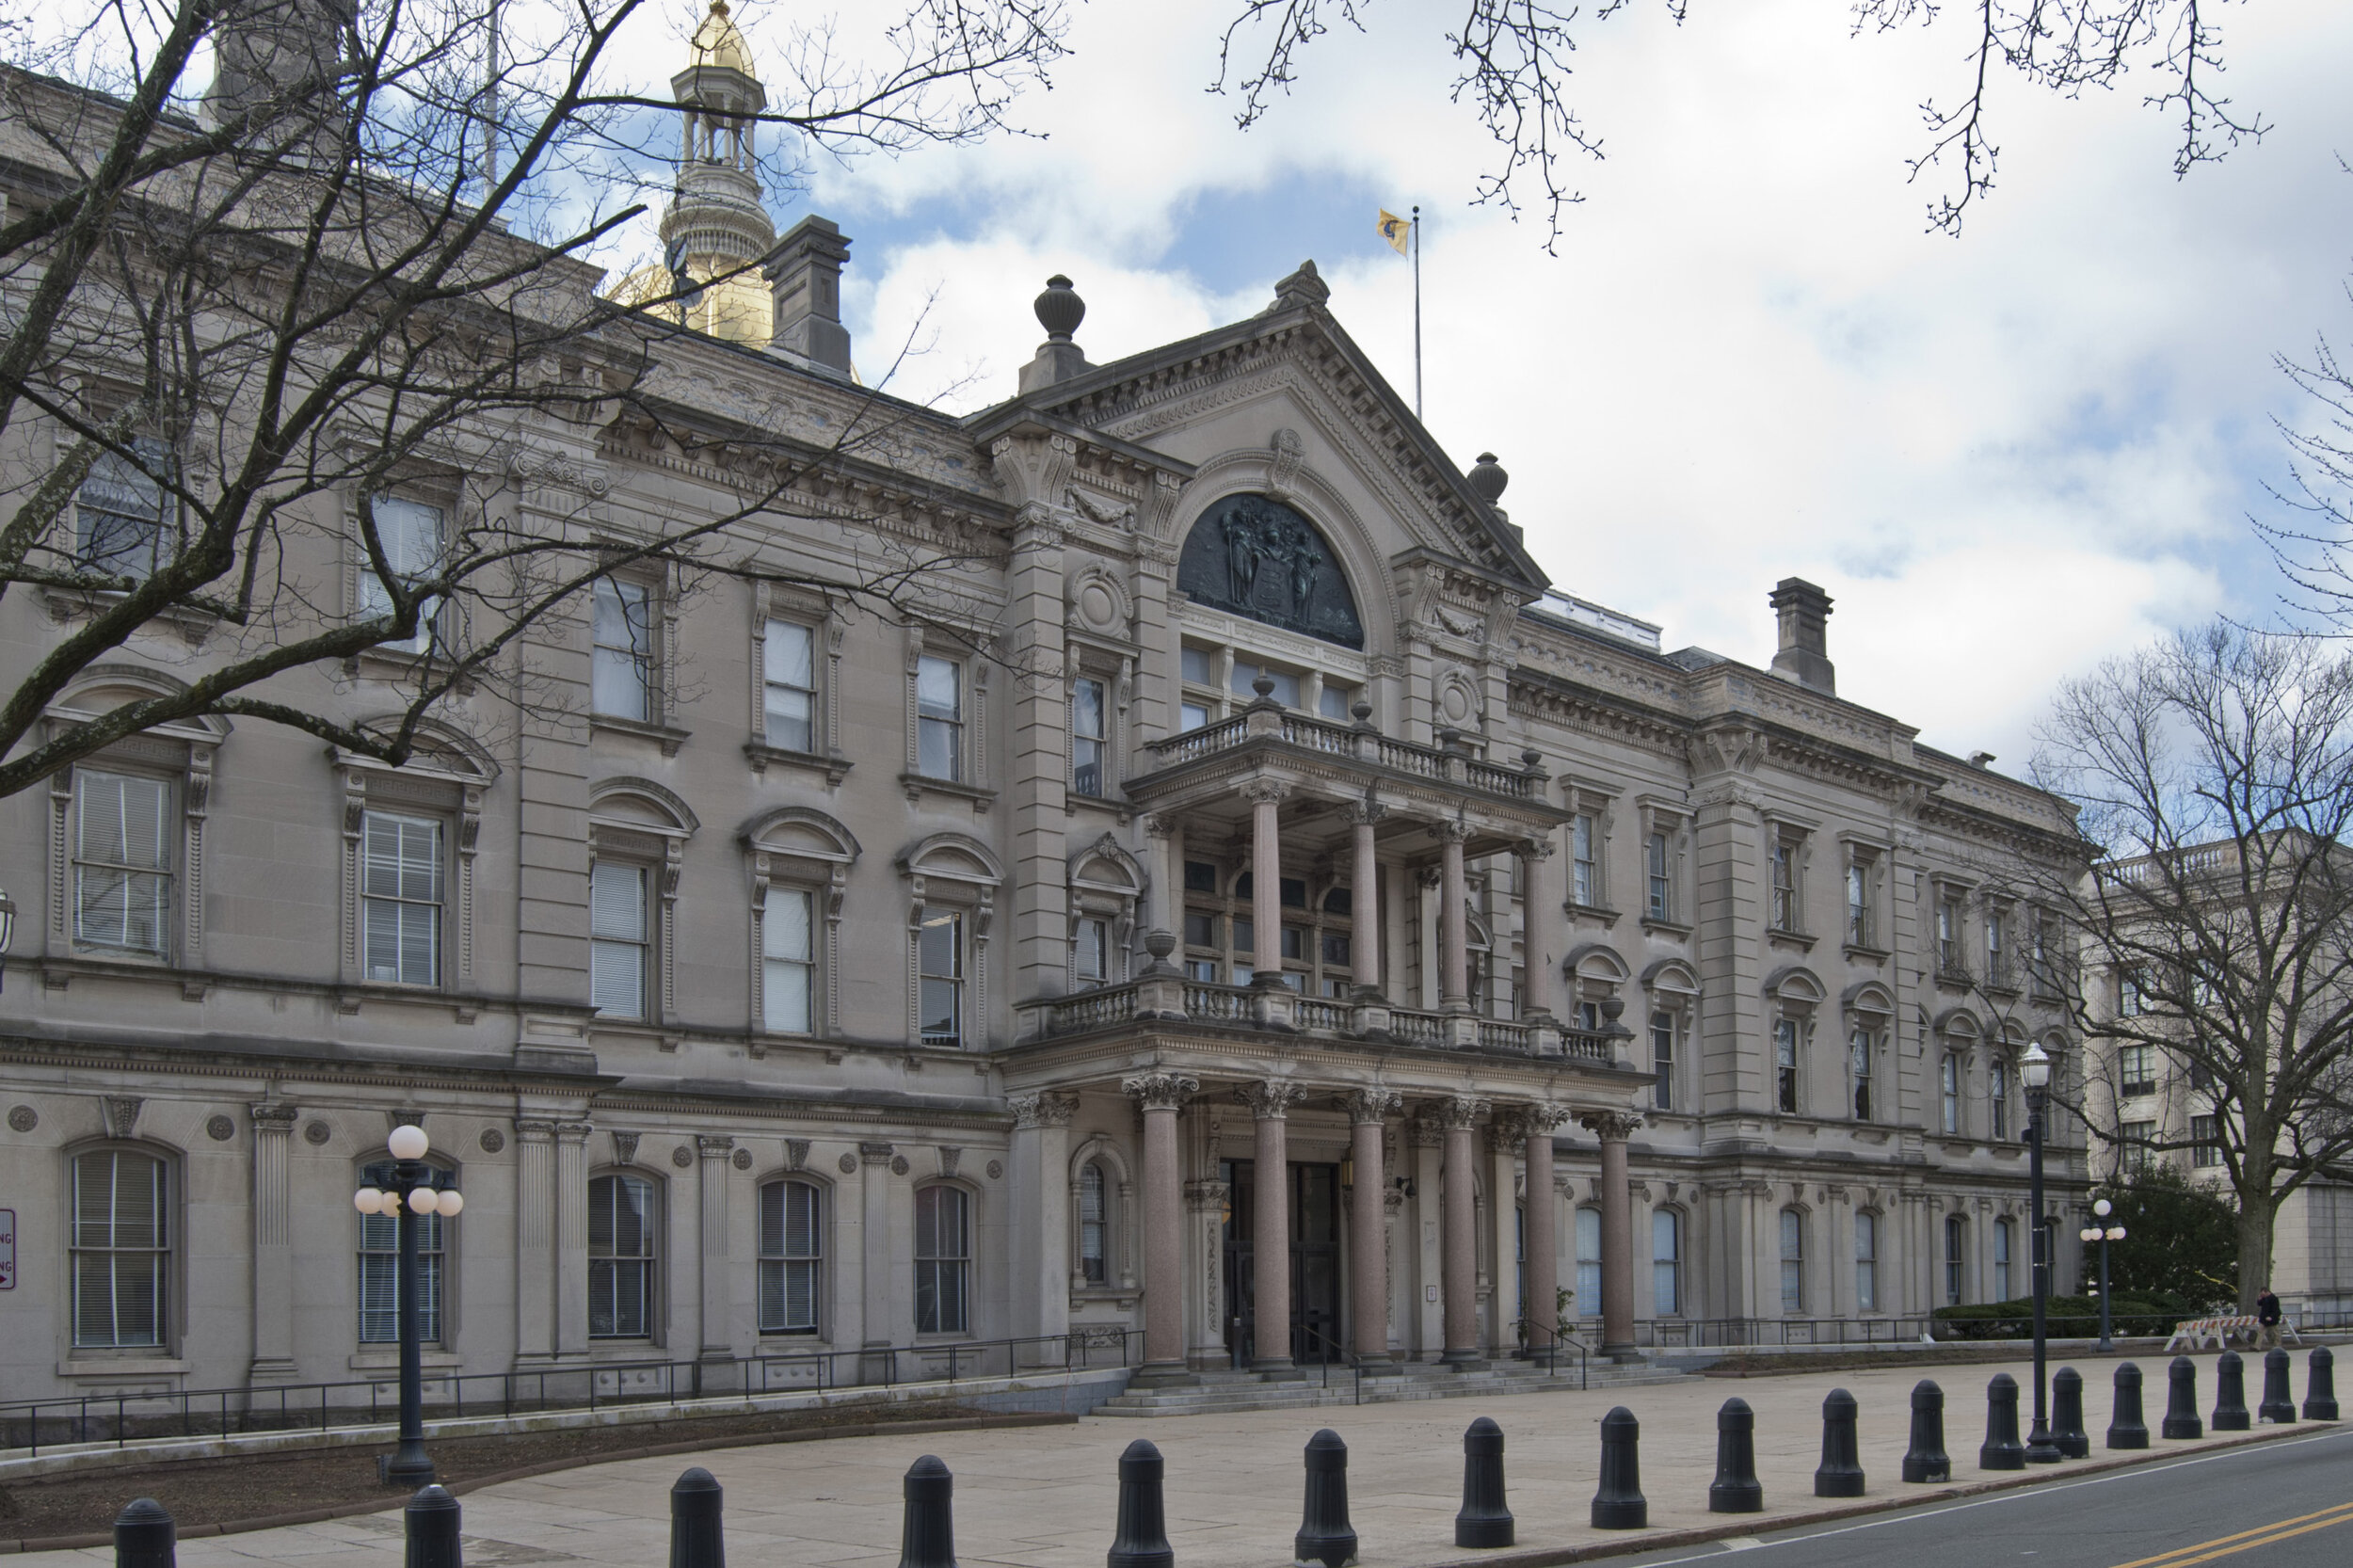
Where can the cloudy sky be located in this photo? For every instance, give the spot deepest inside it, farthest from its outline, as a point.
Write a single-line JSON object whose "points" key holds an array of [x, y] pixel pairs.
{"points": [[2005, 455]]}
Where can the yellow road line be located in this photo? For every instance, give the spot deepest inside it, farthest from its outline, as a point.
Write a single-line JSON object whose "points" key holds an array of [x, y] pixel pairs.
{"points": [[2224, 1545]]}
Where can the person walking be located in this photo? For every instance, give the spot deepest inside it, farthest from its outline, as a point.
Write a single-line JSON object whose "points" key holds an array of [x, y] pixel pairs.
{"points": [[2267, 1320]]}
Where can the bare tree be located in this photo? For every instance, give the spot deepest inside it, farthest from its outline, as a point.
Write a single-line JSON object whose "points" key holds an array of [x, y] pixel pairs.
{"points": [[231, 332], [1515, 61], [2215, 772]]}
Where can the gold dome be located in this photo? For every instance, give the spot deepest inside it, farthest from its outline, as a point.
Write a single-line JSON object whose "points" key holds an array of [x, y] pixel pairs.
{"points": [[719, 42]]}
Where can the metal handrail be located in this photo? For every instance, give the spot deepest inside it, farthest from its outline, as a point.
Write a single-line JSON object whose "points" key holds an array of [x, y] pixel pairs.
{"points": [[287, 1407], [1348, 1358]]}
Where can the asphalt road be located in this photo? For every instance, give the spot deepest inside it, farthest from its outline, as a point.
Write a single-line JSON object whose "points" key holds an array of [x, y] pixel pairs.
{"points": [[2287, 1504]]}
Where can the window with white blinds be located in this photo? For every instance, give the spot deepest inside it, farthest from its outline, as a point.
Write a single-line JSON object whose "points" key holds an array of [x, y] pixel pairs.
{"points": [[411, 533], [121, 515], [943, 1260], [121, 861], [380, 1264], [618, 929], [620, 676], [787, 961], [620, 1257], [792, 1254], [121, 1251], [400, 899], [790, 652]]}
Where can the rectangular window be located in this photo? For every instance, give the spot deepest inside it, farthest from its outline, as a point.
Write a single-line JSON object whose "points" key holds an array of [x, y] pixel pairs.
{"points": [[620, 671], [1666, 1263], [2129, 1002], [1859, 903], [121, 862], [1662, 1060], [1200, 928], [121, 515], [616, 939], [940, 967], [121, 1251], [790, 1254], [1997, 1097], [1859, 1072], [1295, 943], [1200, 666], [1785, 868], [1093, 958], [1335, 702], [1948, 953], [620, 1257], [379, 1266], [940, 718], [2001, 1260], [1584, 862], [2206, 1148], [1094, 1227], [1956, 1258], [787, 961], [1191, 715], [1866, 1262], [2134, 1139], [1588, 1302], [943, 1260], [1661, 906], [1948, 1088], [400, 899], [1244, 683], [788, 657], [411, 533], [1785, 1066], [2137, 1070], [1089, 738], [1200, 877], [1337, 950], [1997, 947], [1792, 1261]]}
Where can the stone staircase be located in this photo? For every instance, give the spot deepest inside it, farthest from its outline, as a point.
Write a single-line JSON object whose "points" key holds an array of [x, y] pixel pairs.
{"points": [[1223, 1391]]}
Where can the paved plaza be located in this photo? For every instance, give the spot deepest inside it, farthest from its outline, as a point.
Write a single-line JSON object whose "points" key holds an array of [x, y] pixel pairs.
{"points": [[1044, 1496]]}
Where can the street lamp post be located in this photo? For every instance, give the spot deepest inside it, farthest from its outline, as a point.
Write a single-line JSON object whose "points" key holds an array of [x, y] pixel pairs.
{"points": [[2034, 1071], [2100, 1209], [410, 1197]]}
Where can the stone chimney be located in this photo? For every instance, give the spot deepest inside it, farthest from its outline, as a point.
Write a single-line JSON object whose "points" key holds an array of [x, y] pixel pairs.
{"points": [[1804, 657], [1059, 311], [805, 280]]}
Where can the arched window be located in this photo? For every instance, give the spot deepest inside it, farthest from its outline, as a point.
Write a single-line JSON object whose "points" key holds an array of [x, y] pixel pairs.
{"points": [[1666, 1263], [1093, 1225], [1866, 1262], [792, 1256], [121, 1251], [380, 1264], [1589, 1262], [2001, 1260], [1792, 1261], [943, 1260], [1956, 1258], [621, 1230]]}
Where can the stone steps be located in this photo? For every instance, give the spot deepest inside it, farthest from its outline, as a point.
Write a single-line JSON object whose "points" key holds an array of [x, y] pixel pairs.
{"points": [[1226, 1391]]}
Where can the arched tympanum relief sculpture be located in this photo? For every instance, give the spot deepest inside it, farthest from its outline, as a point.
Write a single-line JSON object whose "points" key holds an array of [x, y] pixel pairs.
{"points": [[1253, 556]]}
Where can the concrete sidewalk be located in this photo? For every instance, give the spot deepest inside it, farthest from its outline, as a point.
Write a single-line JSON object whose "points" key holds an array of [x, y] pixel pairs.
{"points": [[1045, 1498]]}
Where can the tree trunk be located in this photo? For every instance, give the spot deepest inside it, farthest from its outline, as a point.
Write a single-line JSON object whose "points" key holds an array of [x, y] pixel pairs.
{"points": [[2255, 1246]]}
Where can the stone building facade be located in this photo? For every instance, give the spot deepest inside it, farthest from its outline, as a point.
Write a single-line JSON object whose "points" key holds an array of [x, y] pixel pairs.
{"points": [[796, 977]]}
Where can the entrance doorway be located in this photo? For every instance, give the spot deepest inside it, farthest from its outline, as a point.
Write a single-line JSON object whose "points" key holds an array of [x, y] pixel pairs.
{"points": [[1315, 1261]]}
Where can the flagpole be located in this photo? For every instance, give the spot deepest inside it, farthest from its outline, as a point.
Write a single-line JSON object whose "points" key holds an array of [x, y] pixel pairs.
{"points": [[1417, 313]]}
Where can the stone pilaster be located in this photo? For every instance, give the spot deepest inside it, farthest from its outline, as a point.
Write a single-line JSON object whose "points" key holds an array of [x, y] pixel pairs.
{"points": [[1040, 1187], [1038, 770], [571, 1240], [535, 1241], [711, 1168], [273, 1243]]}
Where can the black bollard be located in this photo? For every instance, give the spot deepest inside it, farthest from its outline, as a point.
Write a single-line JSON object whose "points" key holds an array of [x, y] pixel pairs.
{"points": [[145, 1537], [2001, 1450], [2320, 1389], [1618, 1504], [1140, 1538], [2181, 1401], [927, 1529], [695, 1541], [2126, 1430], [431, 1520], [1736, 1489], [1840, 1474], [2279, 1404], [2067, 1415], [1325, 1535], [2230, 1393], [1485, 1519], [1926, 1460]]}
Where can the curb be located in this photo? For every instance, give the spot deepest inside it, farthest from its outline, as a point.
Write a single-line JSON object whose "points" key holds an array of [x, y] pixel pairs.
{"points": [[1750, 1523], [655, 1450]]}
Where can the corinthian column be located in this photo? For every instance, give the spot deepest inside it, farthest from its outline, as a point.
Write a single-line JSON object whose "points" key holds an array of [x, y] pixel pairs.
{"points": [[1617, 1231], [1460, 1286], [1270, 1228], [1368, 1283], [1266, 876], [1544, 1263], [273, 1242], [1160, 1095], [1365, 898], [1453, 938]]}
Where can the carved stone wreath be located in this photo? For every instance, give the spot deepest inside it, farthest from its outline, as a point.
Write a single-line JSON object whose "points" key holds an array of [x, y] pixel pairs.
{"points": [[741, 1160], [848, 1164], [316, 1133], [492, 1140], [996, 1170], [23, 1118], [220, 1129]]}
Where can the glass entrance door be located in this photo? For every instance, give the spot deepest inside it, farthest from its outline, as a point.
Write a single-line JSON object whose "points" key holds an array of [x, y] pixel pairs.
{"points": [[1314, 1262]]}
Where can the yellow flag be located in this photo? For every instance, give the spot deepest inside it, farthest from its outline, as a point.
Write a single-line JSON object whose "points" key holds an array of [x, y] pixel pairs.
{"points": [[1395, 229]]}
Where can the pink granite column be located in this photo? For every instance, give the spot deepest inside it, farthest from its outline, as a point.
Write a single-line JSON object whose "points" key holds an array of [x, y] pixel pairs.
{"points": [[1453, 938], [1271, 1229], [1161, 1094], [1543, 1264], [1368, 1227], [1617, 1232], [1365, 898], [1460, 1257], [1266, 876]]}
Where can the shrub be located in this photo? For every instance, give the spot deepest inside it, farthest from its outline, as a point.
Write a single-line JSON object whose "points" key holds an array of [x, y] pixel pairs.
{"points": [[2064, 1316]]}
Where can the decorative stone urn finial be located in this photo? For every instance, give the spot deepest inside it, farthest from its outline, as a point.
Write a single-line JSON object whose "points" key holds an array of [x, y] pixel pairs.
{"points": [[1059, 309], [1487, 478]]}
